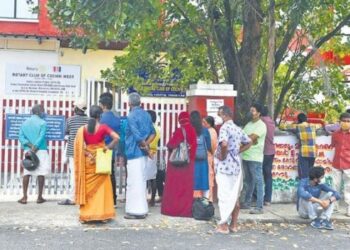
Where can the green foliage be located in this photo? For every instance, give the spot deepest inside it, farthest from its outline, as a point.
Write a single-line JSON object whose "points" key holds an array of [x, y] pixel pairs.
{"points": [[186, 36]]}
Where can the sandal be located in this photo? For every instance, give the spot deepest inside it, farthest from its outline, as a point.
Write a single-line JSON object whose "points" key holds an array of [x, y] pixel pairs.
{"points": [[66, 202], [233, 229], [41, 200], [222, 231], [22, 201]]}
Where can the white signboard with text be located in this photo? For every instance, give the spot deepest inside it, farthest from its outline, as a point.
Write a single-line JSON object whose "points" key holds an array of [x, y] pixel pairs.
{"points": [[42, 79]]}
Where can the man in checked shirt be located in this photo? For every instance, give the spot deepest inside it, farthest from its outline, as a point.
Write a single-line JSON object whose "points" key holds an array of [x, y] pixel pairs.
{"points": [[306, 133]]}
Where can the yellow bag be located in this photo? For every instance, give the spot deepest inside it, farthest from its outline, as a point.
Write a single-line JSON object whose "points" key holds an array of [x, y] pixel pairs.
{"points": [[103, 161]]}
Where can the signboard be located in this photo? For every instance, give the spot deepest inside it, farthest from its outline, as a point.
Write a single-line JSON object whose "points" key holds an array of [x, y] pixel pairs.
{"points": [[55, 126], [285, 170], [42, 79], [214, 104]]}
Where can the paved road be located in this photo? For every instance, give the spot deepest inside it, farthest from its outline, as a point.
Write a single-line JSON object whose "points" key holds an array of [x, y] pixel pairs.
{"points": [[110, 236]]}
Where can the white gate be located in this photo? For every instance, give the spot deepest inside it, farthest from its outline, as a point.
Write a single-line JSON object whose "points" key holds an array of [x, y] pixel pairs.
{"points": [[56, 184], [167, 110], [11, 153]]}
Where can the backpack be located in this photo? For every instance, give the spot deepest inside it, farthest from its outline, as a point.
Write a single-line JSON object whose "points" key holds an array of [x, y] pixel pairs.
{"points": [[201, 152], [202, 209]]}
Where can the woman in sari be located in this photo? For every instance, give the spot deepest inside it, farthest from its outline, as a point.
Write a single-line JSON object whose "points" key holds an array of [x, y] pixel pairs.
{"points": [[178, 189], [94, 191], [208, 122]]}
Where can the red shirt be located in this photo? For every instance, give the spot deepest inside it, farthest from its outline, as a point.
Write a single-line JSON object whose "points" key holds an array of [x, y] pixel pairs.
{"points": [[341, 143], [97, 137]]}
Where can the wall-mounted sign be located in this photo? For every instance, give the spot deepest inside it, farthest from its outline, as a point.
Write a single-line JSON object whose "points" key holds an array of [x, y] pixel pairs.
{"points": [[42, 79], [55, 126], [214, 104]]}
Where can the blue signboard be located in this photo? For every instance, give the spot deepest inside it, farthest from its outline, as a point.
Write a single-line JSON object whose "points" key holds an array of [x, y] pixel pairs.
{"points": [[55, 126]]}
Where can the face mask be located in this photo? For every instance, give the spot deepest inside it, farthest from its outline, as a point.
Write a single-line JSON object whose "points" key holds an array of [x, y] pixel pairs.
{"points": [[218, 120], [345, 125]]}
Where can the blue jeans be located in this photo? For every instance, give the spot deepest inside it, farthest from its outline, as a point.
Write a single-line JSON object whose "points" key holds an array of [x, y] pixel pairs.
{"points": [[304, 165], [253, 177], [267, 171]]}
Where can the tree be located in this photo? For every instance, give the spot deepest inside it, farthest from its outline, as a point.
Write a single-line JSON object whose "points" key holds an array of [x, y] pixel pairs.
{"points": [[181, 42]]}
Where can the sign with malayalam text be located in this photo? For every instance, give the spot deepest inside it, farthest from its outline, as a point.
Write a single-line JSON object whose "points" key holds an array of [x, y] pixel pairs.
{"points": [[42, 79], [55, 126], [285, 165]]}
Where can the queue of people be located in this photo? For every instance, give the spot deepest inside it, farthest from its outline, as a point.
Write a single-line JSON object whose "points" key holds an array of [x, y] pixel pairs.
{"points": [[228, 166]]}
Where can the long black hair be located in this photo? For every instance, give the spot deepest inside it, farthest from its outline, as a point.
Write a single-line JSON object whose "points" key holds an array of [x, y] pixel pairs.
{"points": [[95, 114], [196, 122]]}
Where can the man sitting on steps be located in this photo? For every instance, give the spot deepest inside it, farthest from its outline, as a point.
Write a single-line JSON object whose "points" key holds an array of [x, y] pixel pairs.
{"points": [[316, 200]]}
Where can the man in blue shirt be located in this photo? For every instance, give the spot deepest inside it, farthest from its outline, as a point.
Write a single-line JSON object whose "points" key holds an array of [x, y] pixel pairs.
{"points": [[113, 121], [316, 200], [138, 135], [32, 136]]}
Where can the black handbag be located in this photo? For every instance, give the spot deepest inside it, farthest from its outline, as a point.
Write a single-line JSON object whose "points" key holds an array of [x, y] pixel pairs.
{"points": [[30, 161], [180, 157], [202, 209]]}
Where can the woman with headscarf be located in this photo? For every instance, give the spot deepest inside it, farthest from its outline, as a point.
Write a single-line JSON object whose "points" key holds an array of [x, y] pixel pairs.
{"points": [[208, 122], [178, 189], [93, 190]]}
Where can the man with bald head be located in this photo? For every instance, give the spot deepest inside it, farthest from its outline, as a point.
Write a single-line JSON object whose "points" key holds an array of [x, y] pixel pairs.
{"points": [[32, 136]]}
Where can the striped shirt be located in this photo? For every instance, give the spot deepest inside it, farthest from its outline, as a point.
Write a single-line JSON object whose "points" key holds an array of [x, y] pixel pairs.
{"points": [[72, 126]]}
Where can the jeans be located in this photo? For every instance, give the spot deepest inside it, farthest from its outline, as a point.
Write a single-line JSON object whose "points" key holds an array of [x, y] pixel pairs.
{"points": [[267, 171], [304, 165], [309, 210], [253, 177]]}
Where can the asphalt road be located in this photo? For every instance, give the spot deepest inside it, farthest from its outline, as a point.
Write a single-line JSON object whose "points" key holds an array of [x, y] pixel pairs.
{"points": [[104, 236]]}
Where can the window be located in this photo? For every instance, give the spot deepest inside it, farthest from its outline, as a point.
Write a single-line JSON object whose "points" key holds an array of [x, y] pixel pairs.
{"points": [[19, 9]]}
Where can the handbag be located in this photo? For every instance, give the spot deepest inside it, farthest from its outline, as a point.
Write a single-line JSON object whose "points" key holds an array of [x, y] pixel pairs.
{"points": [[179, 157], [103, 161], [202, 209]]}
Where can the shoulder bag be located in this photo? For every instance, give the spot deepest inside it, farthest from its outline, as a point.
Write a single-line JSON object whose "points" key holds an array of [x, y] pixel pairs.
{"points": [[179, 157]]}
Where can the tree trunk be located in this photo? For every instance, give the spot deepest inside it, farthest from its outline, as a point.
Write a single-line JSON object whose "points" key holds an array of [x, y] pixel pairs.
{"points": [[271, 58], [248, 58]]}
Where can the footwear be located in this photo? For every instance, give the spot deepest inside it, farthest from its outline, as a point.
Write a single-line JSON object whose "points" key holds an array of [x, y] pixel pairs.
{"points": [[316, 223], [135, 217], [233, 229], [40, 200], [244, 206], [221, 230], [22, 201], [151, 203], [66, 202], [327, 224], [266, 203], [256, 211]]}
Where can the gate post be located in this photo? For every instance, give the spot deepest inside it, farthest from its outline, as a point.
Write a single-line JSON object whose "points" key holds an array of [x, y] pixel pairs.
{"points": [[207, 98]]}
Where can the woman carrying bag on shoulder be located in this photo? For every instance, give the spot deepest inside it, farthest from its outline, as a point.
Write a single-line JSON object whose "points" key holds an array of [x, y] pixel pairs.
{"points": [[201, 169], [178, 189], [93, 189]]}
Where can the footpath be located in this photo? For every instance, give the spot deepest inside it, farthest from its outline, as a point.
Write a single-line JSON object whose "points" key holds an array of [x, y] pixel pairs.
{"points": [[51, 215]]}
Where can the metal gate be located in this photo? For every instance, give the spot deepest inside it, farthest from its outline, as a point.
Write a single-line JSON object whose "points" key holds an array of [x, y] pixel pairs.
{"points": [[56, 184]]}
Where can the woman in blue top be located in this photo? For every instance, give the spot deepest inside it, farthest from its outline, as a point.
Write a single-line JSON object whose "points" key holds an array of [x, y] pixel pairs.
{"points": [[201, 167]]}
